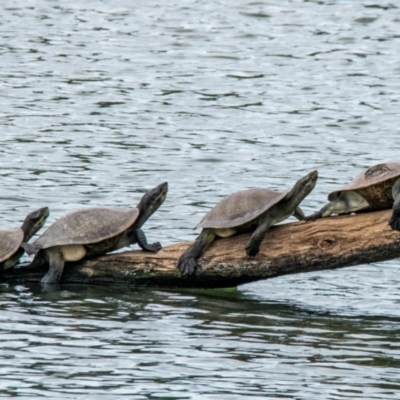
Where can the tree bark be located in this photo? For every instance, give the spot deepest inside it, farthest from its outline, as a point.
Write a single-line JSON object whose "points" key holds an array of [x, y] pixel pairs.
{"points": [[326, 243]]}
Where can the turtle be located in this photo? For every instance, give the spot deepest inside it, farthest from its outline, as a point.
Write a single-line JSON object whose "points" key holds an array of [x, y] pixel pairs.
{"points": [[91, 232], [377, 188], [12, 239], [251, 210]]}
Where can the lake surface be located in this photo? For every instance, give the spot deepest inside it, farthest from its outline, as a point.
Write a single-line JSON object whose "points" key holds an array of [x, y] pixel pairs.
{"points": [[102, 100]]}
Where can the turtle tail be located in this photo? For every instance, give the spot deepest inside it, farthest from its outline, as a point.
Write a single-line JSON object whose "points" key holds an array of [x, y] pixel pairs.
{"points": [[30, 249]]}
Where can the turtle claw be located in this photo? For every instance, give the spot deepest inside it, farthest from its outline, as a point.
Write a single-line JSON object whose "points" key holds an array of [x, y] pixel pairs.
{"points": [[395, 222], [139, 237], [187, 265], [154, 247], [252, 249]]}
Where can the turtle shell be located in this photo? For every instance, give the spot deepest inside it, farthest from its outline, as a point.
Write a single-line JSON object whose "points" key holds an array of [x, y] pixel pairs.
{"points": [[240, 208], [375, 185], [87, 226], [10, 242]]}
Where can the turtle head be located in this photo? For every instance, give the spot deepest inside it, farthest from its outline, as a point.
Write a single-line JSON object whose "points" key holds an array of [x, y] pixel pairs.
{"points": [[34, 221], [303, 187], [150, 202]]}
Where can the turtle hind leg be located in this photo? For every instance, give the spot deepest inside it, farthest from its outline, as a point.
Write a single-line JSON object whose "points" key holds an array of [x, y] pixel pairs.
{"points": [[338, 206], [13, 260], [394, 221], [141, 240], [187, 262], [313, 217], [56, 263]]}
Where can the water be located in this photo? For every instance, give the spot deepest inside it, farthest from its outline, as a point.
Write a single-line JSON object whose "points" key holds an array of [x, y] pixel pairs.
{"points": [[102, 101]]}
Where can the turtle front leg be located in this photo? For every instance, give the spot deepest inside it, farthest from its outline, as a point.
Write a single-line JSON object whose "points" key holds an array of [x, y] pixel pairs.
{"points": [[56, 263], [187, 262], [253, 245], [139, 237], [298, 213]]}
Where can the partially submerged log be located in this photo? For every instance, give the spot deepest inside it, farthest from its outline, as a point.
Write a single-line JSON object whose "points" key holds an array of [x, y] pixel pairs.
{"points": [[326, 243]]}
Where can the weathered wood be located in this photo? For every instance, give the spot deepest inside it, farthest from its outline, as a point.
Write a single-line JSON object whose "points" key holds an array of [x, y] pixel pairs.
{"points": [[287, 249]]}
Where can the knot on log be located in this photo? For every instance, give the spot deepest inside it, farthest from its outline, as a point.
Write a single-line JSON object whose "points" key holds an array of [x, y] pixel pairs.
{"points": [[327, 243], [89, 272]]}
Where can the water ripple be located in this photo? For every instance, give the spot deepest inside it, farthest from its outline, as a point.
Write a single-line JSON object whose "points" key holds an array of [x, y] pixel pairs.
{"points": [[100, 103]]}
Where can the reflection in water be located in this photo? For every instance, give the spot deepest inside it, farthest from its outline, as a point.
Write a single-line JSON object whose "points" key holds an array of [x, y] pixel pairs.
{"points": [[202, 341], [100, 103]]}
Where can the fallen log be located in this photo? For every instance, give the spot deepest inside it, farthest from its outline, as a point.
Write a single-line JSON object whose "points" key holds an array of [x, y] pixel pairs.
{"points": [[326, 243]]}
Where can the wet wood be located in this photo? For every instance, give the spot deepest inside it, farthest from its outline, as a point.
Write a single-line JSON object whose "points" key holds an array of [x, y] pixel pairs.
{"points": [[326, 243]]}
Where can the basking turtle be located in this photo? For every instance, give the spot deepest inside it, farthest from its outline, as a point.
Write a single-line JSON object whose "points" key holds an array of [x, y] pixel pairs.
{"points": [[248, 210], [11, 239], [373, 189], [94, 231]]}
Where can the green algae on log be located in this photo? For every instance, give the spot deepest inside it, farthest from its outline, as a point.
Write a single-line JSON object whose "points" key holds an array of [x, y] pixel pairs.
{"points": [[297, 247]]}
